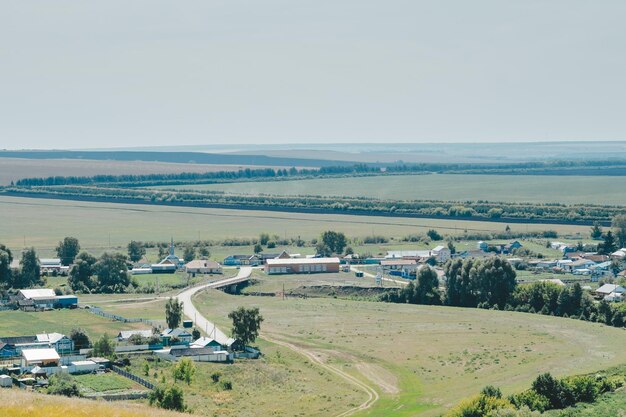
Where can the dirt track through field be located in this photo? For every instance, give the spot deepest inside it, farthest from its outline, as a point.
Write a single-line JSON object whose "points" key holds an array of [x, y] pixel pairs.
{"points": [[372, 395]]}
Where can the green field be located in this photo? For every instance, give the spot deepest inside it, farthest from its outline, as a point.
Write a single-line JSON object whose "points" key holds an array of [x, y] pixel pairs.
{"points": [[42, 223], [421, 359], [19, 323], [104, 383], [449, 187]]}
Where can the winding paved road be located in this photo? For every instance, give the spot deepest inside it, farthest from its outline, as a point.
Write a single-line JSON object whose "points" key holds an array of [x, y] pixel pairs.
{"points": [[192, 312]]}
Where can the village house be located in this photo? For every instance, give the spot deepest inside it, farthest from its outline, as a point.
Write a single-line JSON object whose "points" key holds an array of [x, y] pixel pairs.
{"points": [[182, 335], [124, 335], [13, 346], [42, 298], [40, 357], [203, 266], [404, 267], [610, 290]]}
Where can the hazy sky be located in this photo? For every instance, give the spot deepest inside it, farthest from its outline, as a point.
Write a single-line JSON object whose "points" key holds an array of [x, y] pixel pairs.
{"points": [[148, 72]]}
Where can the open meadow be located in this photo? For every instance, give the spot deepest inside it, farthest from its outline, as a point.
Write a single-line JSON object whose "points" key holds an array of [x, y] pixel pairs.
{"points": [[421, 359], [19, 323], [98, 226], [448, 187], [13, 169]]}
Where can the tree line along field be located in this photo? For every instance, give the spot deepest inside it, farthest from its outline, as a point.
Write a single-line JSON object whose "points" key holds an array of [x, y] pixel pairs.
{"points": [[13, 169], [98, 226], [449, 187], [422, 360]]}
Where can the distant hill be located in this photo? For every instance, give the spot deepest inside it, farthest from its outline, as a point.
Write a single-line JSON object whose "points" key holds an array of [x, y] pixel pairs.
{"points": [[176, 157]]}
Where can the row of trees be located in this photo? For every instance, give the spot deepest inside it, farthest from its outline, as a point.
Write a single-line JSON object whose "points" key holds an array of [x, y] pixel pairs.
{"points": [[546, 393], [27, 275], [430, 208], [358, 169]]}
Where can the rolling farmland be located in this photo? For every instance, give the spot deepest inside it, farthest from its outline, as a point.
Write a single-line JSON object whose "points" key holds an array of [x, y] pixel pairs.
{"points": [[449, 187], [42, 223]]}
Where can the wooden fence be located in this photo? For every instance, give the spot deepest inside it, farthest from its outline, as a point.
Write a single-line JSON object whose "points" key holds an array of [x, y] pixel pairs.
{"points": [[132, 377]]}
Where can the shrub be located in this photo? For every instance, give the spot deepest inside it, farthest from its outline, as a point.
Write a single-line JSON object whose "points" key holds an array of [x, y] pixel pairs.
{"points": [[479, 406]]}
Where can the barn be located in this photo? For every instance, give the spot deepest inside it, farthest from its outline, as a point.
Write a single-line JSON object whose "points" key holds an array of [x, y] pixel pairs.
{"points": [[301, 265]]}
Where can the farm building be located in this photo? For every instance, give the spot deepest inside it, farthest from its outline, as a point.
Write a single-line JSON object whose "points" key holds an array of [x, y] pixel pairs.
{"points": [[124, 335], [608, 289], [203, 266], [441, 253], [301, 265], [40, 357], [195, 354], [44, 298], [53, 265], [6, 381]]}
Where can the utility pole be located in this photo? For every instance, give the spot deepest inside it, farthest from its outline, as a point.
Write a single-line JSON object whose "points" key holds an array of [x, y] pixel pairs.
{"points": [[283, 291]]}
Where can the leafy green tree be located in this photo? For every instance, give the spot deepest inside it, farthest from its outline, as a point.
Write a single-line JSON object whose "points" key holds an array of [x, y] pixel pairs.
{"points": [[80, 339], [195, 334], [136, 251], [204, 251], [427, 289], [30, 270], [334, 241], [6, 257], [189, 253], [173, 312], [258, 248], [184, 370], [103, 347], [112, 270], [82, 273], [619, 224], [434, 235], [451, 247], [63, 384], [323, 249], [264, 238], [169, 398], [67, 249], [608, 246], [246, 324], [596, 230]]}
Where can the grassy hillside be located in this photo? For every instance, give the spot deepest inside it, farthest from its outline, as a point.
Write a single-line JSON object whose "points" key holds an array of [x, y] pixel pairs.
{"points": [[42, 223], [19, 403], [513, 188], [423, 359]]}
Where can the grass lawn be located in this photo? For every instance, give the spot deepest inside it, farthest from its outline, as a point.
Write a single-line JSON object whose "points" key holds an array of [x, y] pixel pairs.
{"points": [[105, 383], [422, 359], [450, 187], [108, 226], [19, 323]]}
